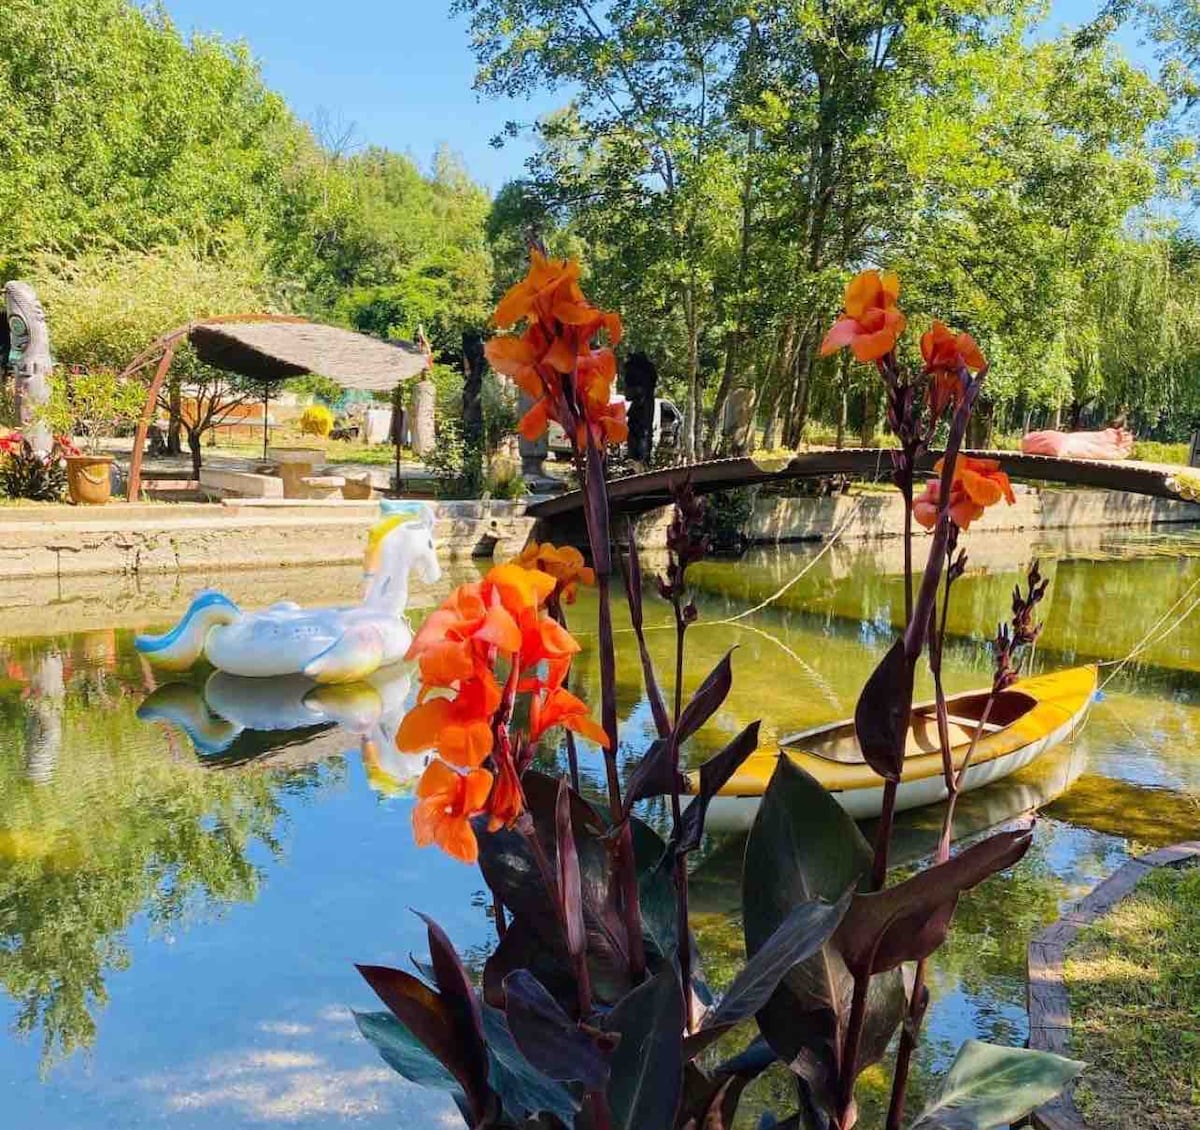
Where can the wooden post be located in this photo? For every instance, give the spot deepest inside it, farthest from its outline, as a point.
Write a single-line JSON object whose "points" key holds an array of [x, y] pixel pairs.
{"points": [[143, 426]]}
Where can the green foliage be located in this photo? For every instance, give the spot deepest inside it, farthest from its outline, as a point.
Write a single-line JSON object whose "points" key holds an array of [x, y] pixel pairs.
{"points": [[104, 306], [449, 459], [504, 479], [93, 403], [316, 420], [728, 175], [323, 389]]}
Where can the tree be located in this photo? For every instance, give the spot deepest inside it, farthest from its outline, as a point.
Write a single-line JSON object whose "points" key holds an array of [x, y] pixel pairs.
{"points": [[104, 309]]}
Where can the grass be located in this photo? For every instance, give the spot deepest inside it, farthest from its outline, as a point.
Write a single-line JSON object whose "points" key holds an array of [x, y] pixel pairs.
{"points": [[1134, 983], [1150, 452], [336, 450]]}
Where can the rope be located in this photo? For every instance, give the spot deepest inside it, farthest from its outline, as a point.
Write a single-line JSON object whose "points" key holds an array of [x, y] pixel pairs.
{"points": [[829, 544], [1154, 635]]}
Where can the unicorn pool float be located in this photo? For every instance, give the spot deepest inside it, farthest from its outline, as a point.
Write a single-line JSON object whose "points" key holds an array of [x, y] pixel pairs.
{"points": [[328, 645]]}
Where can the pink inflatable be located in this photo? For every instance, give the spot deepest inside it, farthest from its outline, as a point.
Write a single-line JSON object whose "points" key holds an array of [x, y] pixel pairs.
{"points": [[1112, 443]]}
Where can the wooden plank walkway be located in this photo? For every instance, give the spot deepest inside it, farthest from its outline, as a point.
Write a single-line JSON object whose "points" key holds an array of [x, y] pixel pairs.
{"points": [[1049, 1003], [651, 489]]}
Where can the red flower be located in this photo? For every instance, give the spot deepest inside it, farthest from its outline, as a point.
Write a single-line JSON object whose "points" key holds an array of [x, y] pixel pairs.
{"points": [[872, 322], [560, 707], [446, 801], [943, 349], [976, 485]]}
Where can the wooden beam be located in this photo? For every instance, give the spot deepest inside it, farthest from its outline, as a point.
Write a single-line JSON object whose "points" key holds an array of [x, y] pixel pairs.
{"points": [[143, 426]]}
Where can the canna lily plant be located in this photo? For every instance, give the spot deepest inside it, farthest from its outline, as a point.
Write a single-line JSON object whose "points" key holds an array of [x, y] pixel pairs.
{"points": [[592, 1010]]}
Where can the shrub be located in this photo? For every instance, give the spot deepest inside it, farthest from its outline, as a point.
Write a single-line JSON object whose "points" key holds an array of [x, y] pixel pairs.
{"points": [[316, 420], [26, 474]]}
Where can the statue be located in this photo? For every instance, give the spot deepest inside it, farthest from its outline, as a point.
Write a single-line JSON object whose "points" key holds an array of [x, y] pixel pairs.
{"points": [[30, 361], [329, 645], [641, 380]]}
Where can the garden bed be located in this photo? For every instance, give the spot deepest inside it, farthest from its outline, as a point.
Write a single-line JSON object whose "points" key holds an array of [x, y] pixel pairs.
{"points": [[1133, 980]]}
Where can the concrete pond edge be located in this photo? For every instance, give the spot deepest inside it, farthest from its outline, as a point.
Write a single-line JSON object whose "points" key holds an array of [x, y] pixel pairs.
{"points": [[1049, 1003]]}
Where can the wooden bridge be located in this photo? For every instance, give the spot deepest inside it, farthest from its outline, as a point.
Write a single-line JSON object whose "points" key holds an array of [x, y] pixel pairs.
{"points": [[652, 489]]}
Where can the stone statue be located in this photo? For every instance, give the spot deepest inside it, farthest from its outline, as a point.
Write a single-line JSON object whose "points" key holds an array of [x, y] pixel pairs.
{"points": [[30, 361], [424, 412], [641, 380]]}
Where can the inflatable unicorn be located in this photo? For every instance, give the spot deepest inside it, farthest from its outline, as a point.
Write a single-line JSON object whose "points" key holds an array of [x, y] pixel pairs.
{"points": [[328, 645]]}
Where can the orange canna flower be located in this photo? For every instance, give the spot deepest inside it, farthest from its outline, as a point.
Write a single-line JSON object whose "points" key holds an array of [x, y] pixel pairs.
{"points": [[872, 322], [976, 485], [505, 803], [560, 707], [943, 349], [565, 564], [446, 801], [459, 728], [556, 345], [549, 290]]}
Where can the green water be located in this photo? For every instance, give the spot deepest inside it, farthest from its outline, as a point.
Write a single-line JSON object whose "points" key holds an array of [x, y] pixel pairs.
{"points": [[182, 896]]}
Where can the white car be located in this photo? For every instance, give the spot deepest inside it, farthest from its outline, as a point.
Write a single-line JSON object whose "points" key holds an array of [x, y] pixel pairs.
{"points": [[668, 427]]}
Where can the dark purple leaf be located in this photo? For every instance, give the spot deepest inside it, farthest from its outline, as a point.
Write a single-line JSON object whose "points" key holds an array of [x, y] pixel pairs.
{"points": [[511, 872], [633, 596], [431, 1019], [524, 1090], [548, 1037], [654, 774], [909, 921], [804, 840], [707, 699], [881, 718], [522, 948], [801, 935], [454, 986], [646, 1070], [714, 774], [570, 895]]}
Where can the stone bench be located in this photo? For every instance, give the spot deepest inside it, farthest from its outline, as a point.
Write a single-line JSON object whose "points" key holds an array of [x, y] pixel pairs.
{"points": [[240, 484], [322, 486]]}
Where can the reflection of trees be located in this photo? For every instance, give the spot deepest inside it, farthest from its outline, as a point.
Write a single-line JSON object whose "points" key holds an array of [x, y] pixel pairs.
{"points": [[120, 827]]}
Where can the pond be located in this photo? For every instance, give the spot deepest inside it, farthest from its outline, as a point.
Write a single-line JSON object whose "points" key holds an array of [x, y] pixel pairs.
{"points": [[189, 869]]}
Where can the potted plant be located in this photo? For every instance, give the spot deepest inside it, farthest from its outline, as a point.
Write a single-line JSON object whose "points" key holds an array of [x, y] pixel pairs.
{"points": [[95, 404]]}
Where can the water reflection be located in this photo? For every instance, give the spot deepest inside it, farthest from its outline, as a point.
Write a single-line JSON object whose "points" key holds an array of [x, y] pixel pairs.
{"points": [[292, 719], [188, 870]]}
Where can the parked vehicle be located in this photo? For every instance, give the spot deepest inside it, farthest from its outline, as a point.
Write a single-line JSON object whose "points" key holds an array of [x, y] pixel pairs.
{"points": [[668, 428]]}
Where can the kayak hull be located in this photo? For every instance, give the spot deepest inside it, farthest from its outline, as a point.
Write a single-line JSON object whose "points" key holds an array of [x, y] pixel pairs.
{"points": [[1062, 700]]}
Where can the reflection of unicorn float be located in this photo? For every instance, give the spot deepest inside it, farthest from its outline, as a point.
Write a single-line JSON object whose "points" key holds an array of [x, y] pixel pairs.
{"points": [[244, 718], [329, 645]]}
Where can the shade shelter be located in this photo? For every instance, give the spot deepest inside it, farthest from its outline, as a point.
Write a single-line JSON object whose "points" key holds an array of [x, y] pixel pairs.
{"points": [[273, 347]]}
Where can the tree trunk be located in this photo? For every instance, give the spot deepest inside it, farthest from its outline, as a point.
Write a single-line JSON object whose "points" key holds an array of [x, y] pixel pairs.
{"points": [[693, 348], [843, 398], [175, 417], [770, 439], [193, 436], [733, 342], [867, 431]]}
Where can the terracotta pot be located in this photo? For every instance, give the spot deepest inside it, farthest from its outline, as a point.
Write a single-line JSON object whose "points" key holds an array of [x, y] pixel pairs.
{"points": [[89, 479]]}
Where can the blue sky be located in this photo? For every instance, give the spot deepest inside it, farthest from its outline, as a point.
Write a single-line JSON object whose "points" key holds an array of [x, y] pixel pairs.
{"points": [[400, 71]]}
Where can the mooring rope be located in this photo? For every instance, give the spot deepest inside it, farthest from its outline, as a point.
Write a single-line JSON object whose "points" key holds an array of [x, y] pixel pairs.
{"points": [[829, 544], [1154, 635]]}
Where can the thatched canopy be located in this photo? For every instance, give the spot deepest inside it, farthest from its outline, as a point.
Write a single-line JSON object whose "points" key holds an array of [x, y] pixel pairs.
{"points": [[273, 347], [276, 348]]}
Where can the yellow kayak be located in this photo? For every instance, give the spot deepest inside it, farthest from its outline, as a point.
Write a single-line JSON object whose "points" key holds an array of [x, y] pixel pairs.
{"points": [[1032, 716]]}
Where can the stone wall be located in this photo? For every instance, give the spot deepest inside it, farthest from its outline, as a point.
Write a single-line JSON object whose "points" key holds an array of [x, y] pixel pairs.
{"points": [[880, 514], [237, 534]]}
